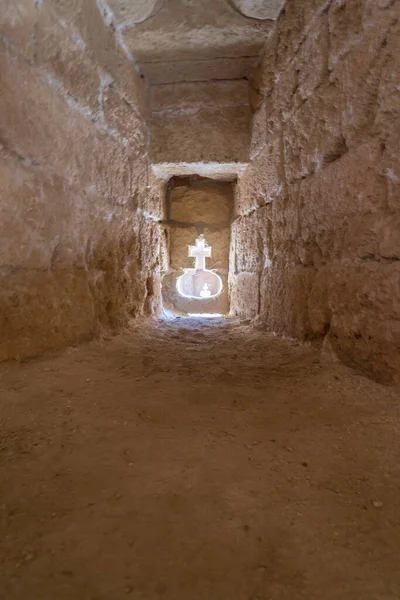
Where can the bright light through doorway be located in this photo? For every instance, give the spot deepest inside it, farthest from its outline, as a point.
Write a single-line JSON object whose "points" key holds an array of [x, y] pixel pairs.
{"points": [[199, 282]]}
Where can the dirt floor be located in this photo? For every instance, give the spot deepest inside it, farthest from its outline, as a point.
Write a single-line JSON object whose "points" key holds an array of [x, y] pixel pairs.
{"points": [[197, 460]]}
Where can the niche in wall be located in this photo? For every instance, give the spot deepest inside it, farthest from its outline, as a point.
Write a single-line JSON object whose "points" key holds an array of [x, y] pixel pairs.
{"points": [[197, 208]]}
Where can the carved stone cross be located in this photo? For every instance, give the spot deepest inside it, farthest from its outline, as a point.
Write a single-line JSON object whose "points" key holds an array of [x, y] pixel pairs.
{"points": [[200, 252]]}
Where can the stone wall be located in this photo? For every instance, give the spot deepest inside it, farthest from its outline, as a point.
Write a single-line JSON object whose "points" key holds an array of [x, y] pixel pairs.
{"points": [[78, 246], [194, 206], [316, 236], [200, 122]]}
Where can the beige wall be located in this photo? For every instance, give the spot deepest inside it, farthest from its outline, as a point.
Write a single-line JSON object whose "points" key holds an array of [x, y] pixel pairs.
{"points": [[77, 246], [200, 122], [317, 227]]}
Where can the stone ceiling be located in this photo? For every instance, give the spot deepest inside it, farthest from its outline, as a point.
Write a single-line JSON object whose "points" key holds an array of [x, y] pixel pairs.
{"points": [[193, 40]]}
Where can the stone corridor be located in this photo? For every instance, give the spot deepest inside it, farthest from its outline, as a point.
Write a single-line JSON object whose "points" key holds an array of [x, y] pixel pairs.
{"points": [[147, 454]]}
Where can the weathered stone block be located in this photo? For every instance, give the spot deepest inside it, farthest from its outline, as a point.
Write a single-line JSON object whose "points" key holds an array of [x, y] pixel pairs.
{"points": [[152, 200], [313, 136], [359, 305], [122, 119], [61, 52], [390, 167], [387, 119], [40, 310], [293, 25], [175, 96], [245, 295], [284, 292], [263, 181], [205, 135], [264, 77], [149, 244], [312, 58], [258, 131], [18, 23], [373, 236], [205, 203], [356, 78], [103, 49], [32, 206], [283, 94], [347, 187], [345, 27], [247, 243]]}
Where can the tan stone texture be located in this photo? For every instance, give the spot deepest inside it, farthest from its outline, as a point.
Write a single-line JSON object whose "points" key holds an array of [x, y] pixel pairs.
{"points": [[215, 134], [207, 202], [200, 94], [325, 159], [73, 178], [195, 41], [200, 122]]}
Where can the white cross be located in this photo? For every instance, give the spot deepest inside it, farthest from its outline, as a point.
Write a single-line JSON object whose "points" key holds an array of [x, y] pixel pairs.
{"points": [[200, 252]]}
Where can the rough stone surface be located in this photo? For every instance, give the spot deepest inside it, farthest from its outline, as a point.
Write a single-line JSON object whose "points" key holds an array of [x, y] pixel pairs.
{"points": [[259, 9], [198, 122], [73, 181], [200, 443], [187, 40], [325, 148]]}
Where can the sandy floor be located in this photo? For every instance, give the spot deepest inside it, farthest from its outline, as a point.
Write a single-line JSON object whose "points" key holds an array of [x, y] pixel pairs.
{"points": [[197, 461]]}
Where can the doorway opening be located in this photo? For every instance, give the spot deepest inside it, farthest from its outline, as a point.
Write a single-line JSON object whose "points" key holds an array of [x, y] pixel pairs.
{"points": [[197, 226]]}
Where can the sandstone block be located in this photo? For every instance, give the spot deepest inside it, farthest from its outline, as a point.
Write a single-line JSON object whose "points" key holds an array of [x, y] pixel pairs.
{"points": [[245, 295], [206, 203], [347, 187], [312, 58], [40, 310], [121, 117], [221, 135], [356, 78], [258, 131], [265, 74], [362, 313], [182, 70], [175, 96], [246, 242], [313, 136], [149, 244], [263, 181], [387, 118], [390, 168], [345, 27], [284, 292], [18, 23], [151, 201], [61, 52], [293, 25]]}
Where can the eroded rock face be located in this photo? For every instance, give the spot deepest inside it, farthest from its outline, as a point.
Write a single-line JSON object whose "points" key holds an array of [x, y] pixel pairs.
{"points": [[130, 12], [317, 225], [190, 41], [76, 212], [259, 9], [200, 122]]}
